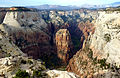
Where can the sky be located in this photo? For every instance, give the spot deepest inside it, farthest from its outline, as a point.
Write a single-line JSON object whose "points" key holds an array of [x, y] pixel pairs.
{"points": [[6, 3]]}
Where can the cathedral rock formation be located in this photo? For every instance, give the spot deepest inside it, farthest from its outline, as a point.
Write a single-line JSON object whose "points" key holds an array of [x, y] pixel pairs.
{"points": [[64, 45]]}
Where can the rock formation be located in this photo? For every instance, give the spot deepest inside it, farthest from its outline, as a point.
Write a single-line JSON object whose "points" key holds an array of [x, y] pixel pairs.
{"points": [[28, 31], [7, 47], [100, 56], [55, 37], [83, 30], [80, 23], [64, 44], [84, 65], [14, 63], [10, 65], [61, 74], [105, 41]]}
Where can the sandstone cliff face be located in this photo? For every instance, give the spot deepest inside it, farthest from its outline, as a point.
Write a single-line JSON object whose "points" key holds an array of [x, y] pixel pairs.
{"points": [[84, 65], [28, 31], [80, 23], [83, 30], [7, 47], [13, 60], [105, 41], [64, 44], [104, 53]]}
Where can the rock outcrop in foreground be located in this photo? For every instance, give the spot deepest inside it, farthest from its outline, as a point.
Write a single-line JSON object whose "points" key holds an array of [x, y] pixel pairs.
{"points": [[64, 45], [61, 74]]}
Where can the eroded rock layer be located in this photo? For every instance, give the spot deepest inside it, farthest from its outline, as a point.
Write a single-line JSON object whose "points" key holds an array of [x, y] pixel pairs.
{"points": [[84, 65], [105, 41], [99, 57], [64, 44], [28, 31]]}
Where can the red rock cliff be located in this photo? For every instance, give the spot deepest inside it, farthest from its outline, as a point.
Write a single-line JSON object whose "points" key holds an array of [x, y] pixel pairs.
{"points": [[64, 44]]}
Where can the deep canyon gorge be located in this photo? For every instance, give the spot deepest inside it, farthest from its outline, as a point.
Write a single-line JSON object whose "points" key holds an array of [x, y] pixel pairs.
{"points": [[81, 43]]}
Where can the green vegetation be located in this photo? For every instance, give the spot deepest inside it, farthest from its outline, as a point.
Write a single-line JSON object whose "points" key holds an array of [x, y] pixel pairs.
{"points": [[30, 62], [22, 74], [23, 61], [8, 55], [84, 62], [39, 74], [51, 61], [21, 41], [76, 43], [95, 60], [46, 17], [107, 37], [103, 63], [36, 74], [90, 54], [62, 68]]}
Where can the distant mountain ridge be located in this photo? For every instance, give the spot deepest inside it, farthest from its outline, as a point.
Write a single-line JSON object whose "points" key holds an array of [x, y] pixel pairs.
{"points": [[71, 7], [57, 7]]}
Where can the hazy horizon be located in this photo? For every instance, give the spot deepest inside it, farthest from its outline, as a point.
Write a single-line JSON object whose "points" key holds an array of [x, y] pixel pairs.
{"points": [[9, 3]]}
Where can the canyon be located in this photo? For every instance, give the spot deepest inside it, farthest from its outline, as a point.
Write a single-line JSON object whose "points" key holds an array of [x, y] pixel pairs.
{"points": [[85, 42], [100, 53]]}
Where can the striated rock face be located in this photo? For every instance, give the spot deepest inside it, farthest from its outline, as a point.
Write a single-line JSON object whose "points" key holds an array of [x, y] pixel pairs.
{"points": [[80, 23], [105, 42], [98, 62], [24, 19], [28, 31], [83, 30], [64, 44], [12, 59], [84, 65], [7, 47], [14, 63]]}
